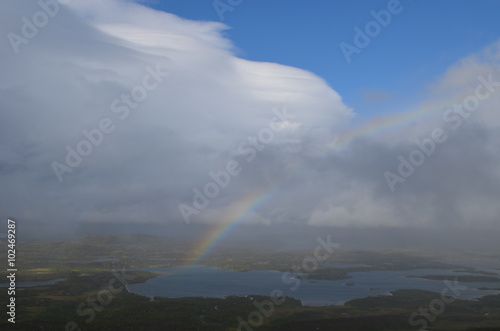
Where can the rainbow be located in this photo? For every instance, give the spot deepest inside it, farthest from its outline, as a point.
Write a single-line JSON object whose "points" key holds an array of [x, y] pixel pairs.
{"points": [[389, 123], [235, 214]]}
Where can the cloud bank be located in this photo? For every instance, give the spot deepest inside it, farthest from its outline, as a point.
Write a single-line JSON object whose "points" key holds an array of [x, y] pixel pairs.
{"points": [[114, 112]]}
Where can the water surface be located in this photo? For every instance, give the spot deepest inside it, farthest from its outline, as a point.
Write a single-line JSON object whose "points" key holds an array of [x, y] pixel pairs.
{"points": [[32, 284], [202, 281]]}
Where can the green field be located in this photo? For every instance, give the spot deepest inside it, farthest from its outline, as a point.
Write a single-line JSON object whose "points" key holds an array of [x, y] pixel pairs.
{"points": [[92, 295]]}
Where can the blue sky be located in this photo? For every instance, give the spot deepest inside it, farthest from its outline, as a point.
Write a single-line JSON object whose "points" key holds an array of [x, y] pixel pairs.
{"points": [[389, 75]]}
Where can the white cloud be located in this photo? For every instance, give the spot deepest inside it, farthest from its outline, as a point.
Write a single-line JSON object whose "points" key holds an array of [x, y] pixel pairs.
{"points": [[65, 79]]}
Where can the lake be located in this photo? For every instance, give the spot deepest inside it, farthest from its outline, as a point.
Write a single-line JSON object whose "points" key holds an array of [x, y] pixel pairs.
{"points": [[202, 281], [33, 284]]}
